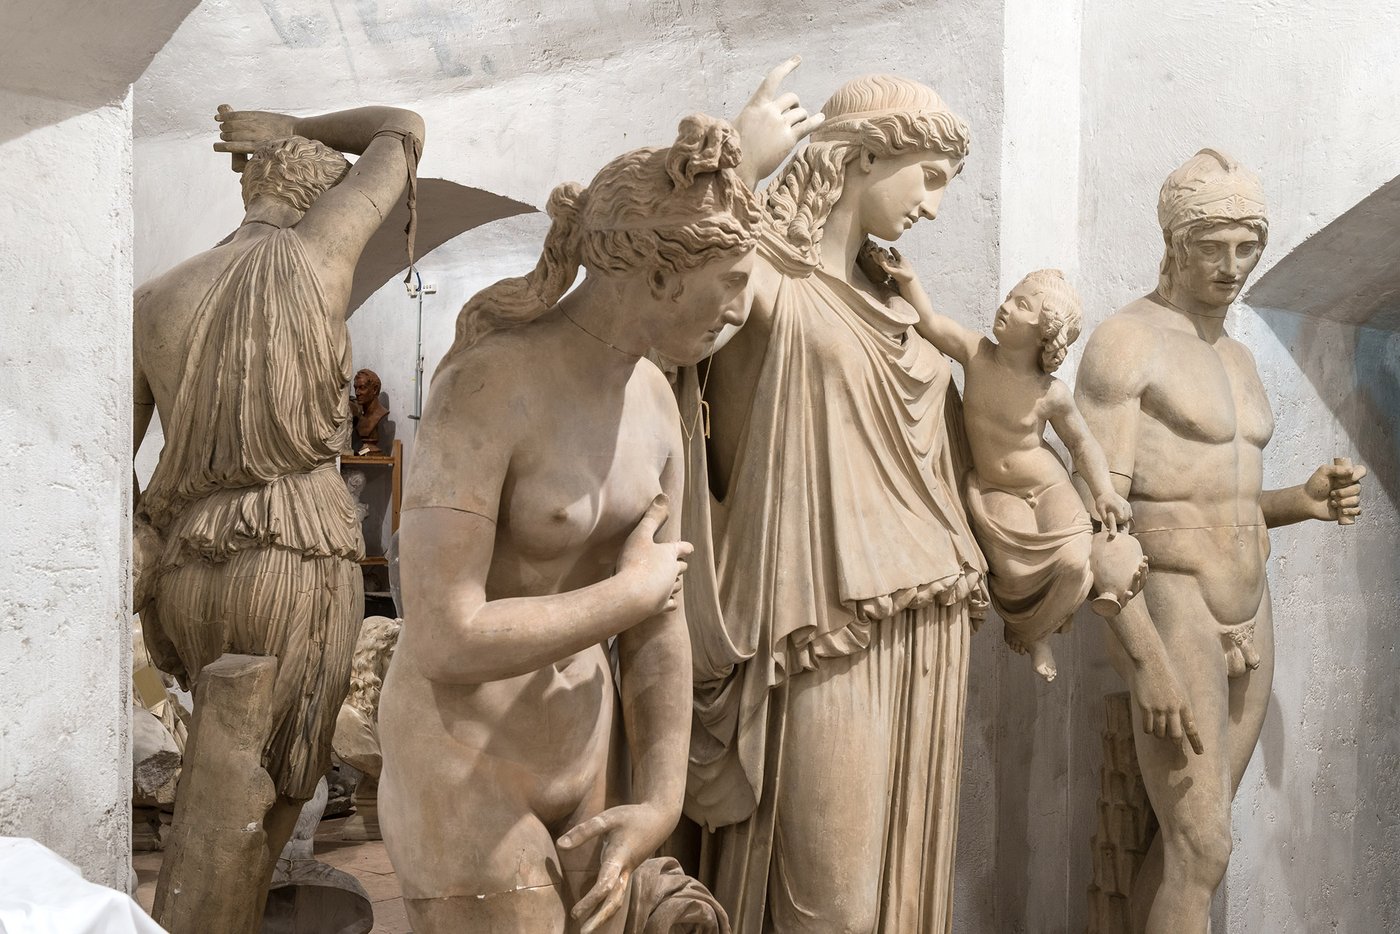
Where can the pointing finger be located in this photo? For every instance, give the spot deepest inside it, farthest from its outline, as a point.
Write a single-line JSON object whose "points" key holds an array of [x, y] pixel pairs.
{"points": [[769, 86]]}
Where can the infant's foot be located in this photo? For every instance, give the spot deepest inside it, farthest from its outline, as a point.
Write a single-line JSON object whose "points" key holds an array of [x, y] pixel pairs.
{"points": [[1016, 645], [1043, 659]]}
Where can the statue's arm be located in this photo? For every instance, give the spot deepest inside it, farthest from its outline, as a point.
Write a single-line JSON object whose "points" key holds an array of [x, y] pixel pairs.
{"points": [[1331, 494], [343, 219], [655, 683], [1089, 460], [448, 535], [770, 125], [1108, 391]]}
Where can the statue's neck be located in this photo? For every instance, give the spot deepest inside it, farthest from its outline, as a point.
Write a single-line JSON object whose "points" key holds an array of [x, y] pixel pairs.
{"points": [[841, 241]]}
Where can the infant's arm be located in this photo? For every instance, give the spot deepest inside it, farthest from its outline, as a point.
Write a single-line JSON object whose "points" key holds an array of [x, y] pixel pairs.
{"points": [[1089, 460], [943, 332]]}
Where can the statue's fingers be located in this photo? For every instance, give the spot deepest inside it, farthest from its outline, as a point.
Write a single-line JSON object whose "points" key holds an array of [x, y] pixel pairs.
{"points": [[768, 87], [809, 126], [596, 896], [795, 116], [786, 102], [235, 146]]}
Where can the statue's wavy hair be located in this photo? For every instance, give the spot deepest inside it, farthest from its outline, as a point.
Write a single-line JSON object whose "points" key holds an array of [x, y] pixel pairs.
{"points": [[884, 114], [1061, 315], [374, 649], [671, 209], [295, 169]]}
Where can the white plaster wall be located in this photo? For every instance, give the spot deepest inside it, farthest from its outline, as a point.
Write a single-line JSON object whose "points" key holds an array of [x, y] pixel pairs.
{"points": [[1306, 94], [1039, 229], [65, 286]]}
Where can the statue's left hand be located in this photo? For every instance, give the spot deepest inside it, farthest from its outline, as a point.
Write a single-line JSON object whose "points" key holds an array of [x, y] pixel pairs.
{"points": [[242, 131], [771, 124], [1334, 492], [630, 834]]}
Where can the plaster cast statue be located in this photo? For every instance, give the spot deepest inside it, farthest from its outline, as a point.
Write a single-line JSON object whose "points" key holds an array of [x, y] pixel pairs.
{"points": [[355, 482], [832, 643], [244, 351], [369, 412], [1183, 418], [1025, 511], [541, 520], [356, 739]]}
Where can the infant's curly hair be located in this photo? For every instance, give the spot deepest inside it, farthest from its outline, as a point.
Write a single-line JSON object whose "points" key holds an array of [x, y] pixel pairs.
{"points": [[1061, 315]]}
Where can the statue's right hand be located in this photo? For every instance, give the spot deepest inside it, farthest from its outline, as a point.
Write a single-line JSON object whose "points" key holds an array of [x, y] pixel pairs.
{"points": [[655, 568], [242, 131], [771, 124], [1162, 704]]}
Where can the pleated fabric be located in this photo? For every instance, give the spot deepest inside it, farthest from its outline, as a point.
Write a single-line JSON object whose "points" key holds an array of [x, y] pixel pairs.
{"points": [[259, 537]]}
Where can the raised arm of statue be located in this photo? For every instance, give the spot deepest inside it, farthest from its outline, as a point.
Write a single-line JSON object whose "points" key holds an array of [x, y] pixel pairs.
{"points": [[458, 635], [771, 124], [341, 221]]}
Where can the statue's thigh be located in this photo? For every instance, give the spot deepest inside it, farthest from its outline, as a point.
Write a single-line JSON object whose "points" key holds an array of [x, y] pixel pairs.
{"points": [[522, 911]]}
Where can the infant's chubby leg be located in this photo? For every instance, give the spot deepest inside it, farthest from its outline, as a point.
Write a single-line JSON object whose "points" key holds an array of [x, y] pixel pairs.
{"points": [[1058, 507], [1014, 515]]}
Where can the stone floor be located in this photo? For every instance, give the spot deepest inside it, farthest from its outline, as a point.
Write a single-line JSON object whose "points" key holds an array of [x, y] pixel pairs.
{"points": [[367, 862]]}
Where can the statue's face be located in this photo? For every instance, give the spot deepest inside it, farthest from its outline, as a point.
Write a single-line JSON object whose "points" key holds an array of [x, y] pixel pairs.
{"points": [[899, 191], [364, 389], [697, 304], [1218, 262], [1017, 323]]}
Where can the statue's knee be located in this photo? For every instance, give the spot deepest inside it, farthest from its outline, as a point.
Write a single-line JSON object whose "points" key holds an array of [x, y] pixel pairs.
{"points": [[1204, 851]]}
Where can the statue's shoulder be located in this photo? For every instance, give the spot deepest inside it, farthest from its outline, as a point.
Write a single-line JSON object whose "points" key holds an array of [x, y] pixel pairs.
{"points": [[1131, 332], [1119, 358]]}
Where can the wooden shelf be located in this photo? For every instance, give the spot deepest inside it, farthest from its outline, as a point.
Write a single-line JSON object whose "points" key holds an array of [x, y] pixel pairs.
{"points": [[393, 459], [379, 561]]}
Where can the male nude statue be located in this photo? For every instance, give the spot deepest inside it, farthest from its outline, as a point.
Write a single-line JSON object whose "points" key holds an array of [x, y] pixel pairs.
{"points": [[1182, 416], [247, 541]]}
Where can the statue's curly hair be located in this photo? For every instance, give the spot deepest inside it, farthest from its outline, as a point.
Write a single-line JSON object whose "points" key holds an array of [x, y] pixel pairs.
{"points": [[1061, 315], [295, 169], [673, 209], [373, 650]]}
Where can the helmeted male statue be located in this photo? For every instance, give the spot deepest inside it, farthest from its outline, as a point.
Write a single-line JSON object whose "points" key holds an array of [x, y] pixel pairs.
{"points": [[1183, 417]]}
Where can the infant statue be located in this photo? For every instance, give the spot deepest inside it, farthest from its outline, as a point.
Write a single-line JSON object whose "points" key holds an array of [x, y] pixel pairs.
{"points": [[1024, 510]]}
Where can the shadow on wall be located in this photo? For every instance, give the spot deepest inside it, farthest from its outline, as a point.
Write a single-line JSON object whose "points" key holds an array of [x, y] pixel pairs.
{"points": [[445, 210], [85, 55]]}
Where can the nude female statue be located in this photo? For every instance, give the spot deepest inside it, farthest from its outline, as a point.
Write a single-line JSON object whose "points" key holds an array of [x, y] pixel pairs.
{"points": [[1182, 416], [248, 541], [540, 521], [831, 645]]}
